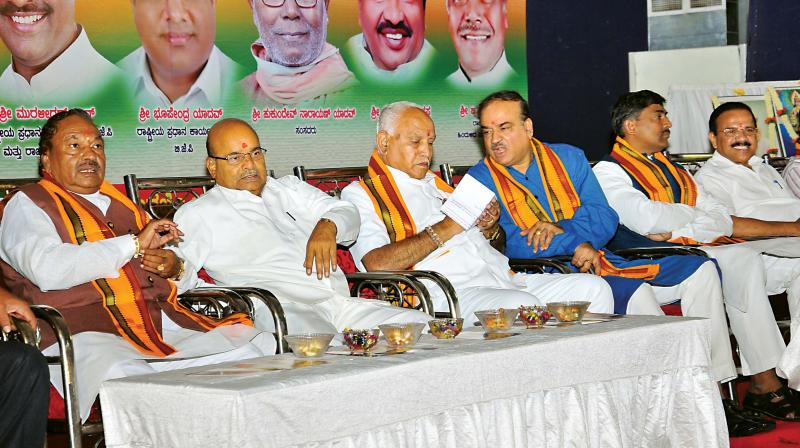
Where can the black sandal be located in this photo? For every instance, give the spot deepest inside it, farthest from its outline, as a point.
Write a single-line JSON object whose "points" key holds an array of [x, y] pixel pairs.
{"points": [[743, 423], [781, 404]]}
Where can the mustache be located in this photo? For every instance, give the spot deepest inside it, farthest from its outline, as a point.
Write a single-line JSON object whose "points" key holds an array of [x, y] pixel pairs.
{"points": [[249, 172], [474, 26], [89, 164], [742, 143], [9, 8], [400, 26]]}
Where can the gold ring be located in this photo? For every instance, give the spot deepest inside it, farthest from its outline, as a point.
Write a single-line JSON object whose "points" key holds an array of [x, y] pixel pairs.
{"points": [[538, 232], [160, 267]]}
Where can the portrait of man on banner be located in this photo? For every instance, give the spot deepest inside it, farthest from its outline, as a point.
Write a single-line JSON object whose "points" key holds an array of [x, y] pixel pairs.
{"points": [[52, 60], [391, 47], [295, 63], [178, 63], [478, 30]]}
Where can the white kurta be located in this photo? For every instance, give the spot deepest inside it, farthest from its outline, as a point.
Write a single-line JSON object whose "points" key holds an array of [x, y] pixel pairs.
{"points": [[209, 90], [244, 240], [762, 193], [479, 273], [496, 77], [30, 243], [749, 312], [74, 76], [360, 61]]}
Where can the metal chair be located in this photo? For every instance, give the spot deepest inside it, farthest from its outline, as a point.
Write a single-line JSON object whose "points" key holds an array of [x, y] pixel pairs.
{"points": [[333, 181]]}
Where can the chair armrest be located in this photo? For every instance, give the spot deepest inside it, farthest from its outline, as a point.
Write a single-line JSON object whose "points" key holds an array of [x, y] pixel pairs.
{"points": [[659, 251], [394, 280], [538, 265], [443, 283], [224, 301]]}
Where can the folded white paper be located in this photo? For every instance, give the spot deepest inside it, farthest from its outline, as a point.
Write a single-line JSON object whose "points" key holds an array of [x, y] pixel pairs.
{"points": [[467, 202]]}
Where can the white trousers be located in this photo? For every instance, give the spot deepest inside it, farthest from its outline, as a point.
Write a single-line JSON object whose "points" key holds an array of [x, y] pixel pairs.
{"points": [[103, 356], [744, 286], [531, 289], [333, 315], [783, 274]]}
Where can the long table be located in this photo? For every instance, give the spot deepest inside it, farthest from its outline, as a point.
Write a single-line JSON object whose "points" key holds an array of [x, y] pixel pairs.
{"points": [[638, 381]]}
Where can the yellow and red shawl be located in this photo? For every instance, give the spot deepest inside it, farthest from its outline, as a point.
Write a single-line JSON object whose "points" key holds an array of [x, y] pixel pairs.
{"points": [[122, 297], [525, 210]]}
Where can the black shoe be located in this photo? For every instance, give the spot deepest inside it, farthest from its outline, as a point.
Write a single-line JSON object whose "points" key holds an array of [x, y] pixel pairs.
{"points": [[744, 423], [781, 404]]}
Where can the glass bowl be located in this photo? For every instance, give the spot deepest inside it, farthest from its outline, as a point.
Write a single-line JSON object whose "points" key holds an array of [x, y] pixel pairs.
{"points": [[501, 319], [446, 328], [534, 316], [569, 311], [361, 341], [309, 345], [402, 335]]}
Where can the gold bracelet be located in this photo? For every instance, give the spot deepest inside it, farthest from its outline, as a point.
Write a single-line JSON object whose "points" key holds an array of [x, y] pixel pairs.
{"points": [[181, 269], [432, 234], [138, 252]]}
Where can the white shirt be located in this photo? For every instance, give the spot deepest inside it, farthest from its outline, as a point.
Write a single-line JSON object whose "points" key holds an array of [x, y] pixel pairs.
{"points": [[704, 222], [759, 192], [209, 89], [466, 260], [245, 240], [360, 61], [30, 244], [76, 74], [497, 76]]}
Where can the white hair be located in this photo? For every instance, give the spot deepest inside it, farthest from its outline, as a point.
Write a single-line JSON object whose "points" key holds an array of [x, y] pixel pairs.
{"points": [[390, 113]]}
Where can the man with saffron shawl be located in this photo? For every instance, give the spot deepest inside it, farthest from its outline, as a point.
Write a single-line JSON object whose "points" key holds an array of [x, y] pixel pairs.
{"points": [[657, 200], [73, 241], [402, 225]]}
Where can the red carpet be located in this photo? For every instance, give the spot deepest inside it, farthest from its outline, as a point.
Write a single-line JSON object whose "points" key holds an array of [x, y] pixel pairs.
{"points": [[786, 434]]}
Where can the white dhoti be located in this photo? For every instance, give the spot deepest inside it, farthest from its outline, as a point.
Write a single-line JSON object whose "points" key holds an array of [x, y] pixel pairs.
{"points": [[103, 356], [783, 275]]}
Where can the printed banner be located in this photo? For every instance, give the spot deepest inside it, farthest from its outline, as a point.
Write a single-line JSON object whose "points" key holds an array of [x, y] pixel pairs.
{"points": [[309, 75]]}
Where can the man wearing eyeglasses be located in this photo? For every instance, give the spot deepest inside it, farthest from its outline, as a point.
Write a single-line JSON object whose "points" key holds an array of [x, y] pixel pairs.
{"points": [[276, 234], [294, 62], [659, 203], [751, 188], [178, 63], [478, 30]]}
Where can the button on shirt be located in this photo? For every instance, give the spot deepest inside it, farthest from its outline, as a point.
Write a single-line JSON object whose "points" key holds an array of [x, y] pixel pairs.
{"points": [[759, 192], [466, 260]]}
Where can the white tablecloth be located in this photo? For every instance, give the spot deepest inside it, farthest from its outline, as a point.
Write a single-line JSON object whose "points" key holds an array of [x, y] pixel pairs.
{"points": [[635, 382]]}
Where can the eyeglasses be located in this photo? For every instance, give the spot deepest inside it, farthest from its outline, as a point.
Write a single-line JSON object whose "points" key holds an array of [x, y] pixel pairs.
{"points": [[732, 132], [300, 3], [464, 2], [236, 158]]}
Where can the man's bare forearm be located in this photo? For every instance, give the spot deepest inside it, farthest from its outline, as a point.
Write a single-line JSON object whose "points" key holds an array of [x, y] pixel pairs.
{"points": [[749, 228], [406, 253]]}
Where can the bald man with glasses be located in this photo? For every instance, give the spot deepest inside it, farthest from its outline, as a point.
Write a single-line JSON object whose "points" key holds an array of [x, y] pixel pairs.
{"points": [[276, 234]]}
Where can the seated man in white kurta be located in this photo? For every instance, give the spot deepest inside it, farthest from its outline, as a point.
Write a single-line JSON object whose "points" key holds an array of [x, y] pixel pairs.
{"points": [[276, 234], [479, 273], [751, 188], [659, 201], [71, 241]]}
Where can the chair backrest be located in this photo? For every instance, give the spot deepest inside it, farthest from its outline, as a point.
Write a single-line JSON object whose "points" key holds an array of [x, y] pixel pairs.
{"points": [[330, 180], [779, 163], [691, 161], [7, 185], [452, 174], [162, 196]]}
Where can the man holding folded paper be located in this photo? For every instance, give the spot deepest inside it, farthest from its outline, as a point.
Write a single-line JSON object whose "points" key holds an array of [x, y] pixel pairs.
{"points": [[404, 224]]}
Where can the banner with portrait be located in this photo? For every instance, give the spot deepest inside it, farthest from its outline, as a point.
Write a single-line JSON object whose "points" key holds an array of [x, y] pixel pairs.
{"points": [[309, 75]]}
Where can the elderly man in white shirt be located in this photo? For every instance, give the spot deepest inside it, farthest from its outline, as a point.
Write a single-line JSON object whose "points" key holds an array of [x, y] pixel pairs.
{"points": [[751, 188], [178, 63], [52, 60], [479, 273], [277, 234], [73, 241], [659, 201]]}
